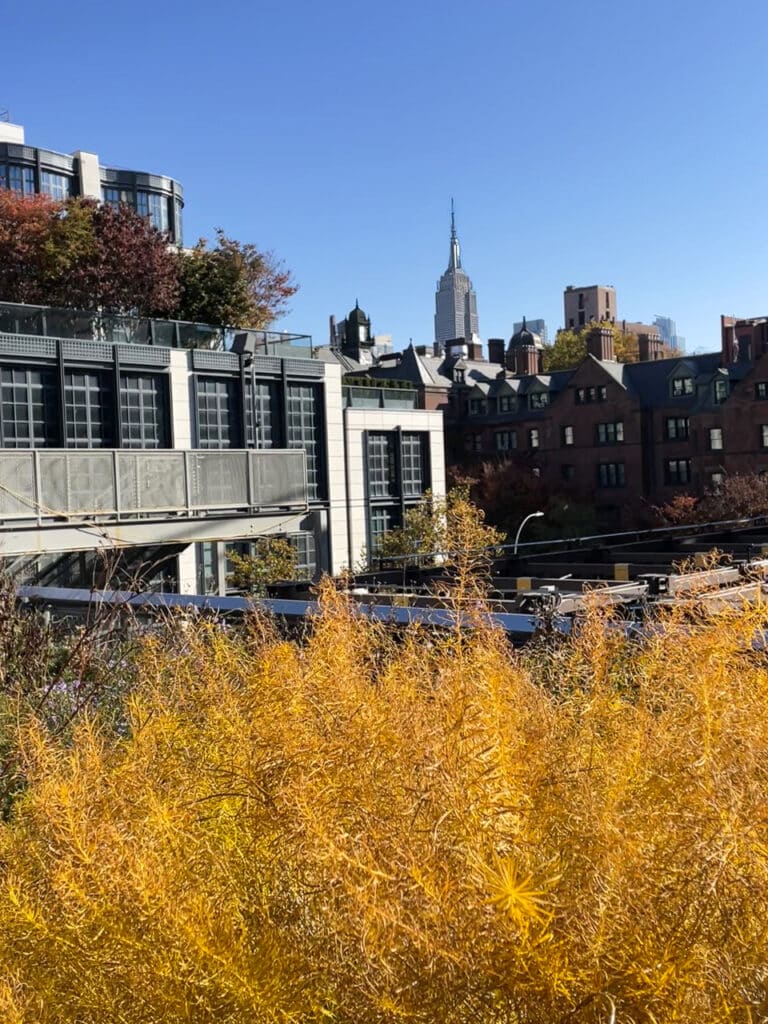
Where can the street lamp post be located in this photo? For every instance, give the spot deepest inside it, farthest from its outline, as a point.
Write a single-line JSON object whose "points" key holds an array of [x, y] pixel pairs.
{"points": [[533, 515]]}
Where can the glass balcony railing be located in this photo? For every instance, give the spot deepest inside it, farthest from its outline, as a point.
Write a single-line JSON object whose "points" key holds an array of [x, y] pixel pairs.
{"points": [[48, 485], [88, 325], [379, 398]]}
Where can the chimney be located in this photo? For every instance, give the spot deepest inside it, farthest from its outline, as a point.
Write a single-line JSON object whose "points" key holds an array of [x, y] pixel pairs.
{"points": [[600, 344], [526, 360], [475, 350], [496, 350], [437, 349], [421, 350], [649, 347]]}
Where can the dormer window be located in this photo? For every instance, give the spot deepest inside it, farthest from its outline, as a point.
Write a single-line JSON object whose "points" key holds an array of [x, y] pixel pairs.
{"points": [[458, 376], [682, 387], [507, 403], [476, 407], [538, 400]]}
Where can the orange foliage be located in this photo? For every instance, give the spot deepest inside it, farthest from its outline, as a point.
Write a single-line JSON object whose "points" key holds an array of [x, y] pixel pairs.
{"points": [[358, 828]]}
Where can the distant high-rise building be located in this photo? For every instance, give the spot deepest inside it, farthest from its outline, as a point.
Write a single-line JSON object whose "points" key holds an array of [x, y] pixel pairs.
{"points": [[668, 331], [455, 300], [537, 326], [594, 303]]}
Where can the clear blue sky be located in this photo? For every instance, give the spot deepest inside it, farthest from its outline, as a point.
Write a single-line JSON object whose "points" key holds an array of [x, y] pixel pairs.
{"points": [[611, 142]]}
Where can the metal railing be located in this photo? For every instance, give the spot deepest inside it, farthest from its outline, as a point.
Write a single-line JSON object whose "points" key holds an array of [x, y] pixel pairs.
{"points": [[47, 485], [91, 325]]}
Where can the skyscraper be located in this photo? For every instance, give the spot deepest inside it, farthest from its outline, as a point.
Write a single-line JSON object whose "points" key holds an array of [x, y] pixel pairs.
{"points": [[668, 331], [455, 300]]}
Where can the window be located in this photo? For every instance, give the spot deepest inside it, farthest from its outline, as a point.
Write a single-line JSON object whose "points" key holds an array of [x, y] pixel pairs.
{"points": [[29, 408], [155, 207], [568, 472], [682, 386], [566, 435], [88, 410], [716, 438], [261, 414], [610, 433], [585, 396], [536, 472], [538, 400], [721, 390], [610, 474], [217, 413], [305, 431], [506, 403], [144, 410], [506, 440], [382, 465], [458, 376], [380, 520], [677, 471], [761, 390], [114, 196], [677, 428], [54, 185], [716, 479], [476, 407], [533, 438], [18, 179], [413, 464], [764, 435], [306, 555]]}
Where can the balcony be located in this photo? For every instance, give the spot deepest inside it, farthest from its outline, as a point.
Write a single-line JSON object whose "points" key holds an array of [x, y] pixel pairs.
{"points": [[356, 397], [49, 486], [89, 325]]}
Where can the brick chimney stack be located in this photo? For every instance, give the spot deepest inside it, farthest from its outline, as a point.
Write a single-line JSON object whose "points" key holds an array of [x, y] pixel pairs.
{"points": [[600, 344], [649, 347], [526, 360], [496, 351]]}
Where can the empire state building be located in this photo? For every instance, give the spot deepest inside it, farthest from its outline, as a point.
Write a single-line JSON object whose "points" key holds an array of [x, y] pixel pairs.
{"points": [[455, 300]]}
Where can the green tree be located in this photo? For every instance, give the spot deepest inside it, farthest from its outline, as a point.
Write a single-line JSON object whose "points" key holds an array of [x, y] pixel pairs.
{"points": [[233, 284], [273, 559]]}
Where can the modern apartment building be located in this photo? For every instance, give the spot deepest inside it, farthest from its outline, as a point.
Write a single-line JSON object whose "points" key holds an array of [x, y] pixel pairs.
{"points": [[29, 170], [167, 443]]}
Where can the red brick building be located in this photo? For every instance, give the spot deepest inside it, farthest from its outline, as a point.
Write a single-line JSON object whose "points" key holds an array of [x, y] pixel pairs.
{"points": [[619, 436]]}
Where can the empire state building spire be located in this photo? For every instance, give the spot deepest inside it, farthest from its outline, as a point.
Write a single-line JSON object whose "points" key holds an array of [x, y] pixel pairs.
{"points": [[455, 300]]}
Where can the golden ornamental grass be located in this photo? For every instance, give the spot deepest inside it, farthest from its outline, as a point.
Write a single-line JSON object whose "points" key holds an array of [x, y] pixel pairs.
{"points": [[431, 828]]}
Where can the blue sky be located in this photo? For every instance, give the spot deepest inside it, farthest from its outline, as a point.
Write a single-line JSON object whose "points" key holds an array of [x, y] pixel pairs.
{"points": [[615, 142]]}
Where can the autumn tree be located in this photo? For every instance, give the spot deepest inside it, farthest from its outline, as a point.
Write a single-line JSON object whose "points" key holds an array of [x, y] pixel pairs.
{"points": [[272, 560], [738, 496], [232, 283], [570, 347]]}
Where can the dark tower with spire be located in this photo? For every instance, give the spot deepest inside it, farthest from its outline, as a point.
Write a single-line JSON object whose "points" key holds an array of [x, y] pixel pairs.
{"points": [[455, 300]]}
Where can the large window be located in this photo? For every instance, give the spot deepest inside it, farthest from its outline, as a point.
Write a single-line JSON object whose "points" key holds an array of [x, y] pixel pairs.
{"points": [[382, 465], [149, 204], [413, 459], [610, 433], [144, 410], [306, 555], [305, 421], [218, 417], [18, 179], [677, 471], [380, 520], [88, 410], [677, 428], [716, 438], [54, 185], [610, 474], [29, 408], [262, 419]]}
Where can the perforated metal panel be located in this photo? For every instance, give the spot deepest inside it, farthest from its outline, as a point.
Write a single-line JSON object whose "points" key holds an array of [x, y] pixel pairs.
{"points": [[151, 481], [219, 479], [143, 355], [214, 360], [27, 345], [86, 351], [278, 478], [17, 485], [77, 482], [265, 364], [304, 367]]}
